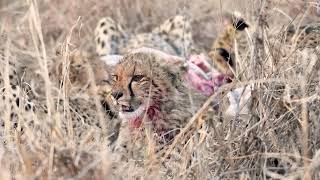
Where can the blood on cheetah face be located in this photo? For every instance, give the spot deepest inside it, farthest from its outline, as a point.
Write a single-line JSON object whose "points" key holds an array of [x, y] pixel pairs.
{"points": [[141, 84]]}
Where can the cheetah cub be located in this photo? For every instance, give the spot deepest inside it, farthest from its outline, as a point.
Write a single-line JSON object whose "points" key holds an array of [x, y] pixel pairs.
{"points": [[151, 91], [147, 86], [155, 104]]}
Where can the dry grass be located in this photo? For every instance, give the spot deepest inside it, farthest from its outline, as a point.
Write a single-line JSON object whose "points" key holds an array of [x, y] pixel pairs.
{"points": [[278, 139]]}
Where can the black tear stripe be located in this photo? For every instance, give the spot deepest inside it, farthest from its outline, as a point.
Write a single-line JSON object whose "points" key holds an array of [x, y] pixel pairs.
{"points": [[130, 84], [226, 55], [130, 89]]}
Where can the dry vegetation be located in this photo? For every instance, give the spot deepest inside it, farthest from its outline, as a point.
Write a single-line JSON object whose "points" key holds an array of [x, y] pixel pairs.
{"points": [[278, 138]]}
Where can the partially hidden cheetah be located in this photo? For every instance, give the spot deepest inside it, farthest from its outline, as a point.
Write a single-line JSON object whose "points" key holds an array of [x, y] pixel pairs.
{"points": [[81, 114], [174, 36], [290, 54], [222, 52]]}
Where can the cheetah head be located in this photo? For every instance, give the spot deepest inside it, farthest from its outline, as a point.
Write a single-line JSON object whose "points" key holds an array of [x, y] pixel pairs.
{"points": [[142, 83], [81, 72]]}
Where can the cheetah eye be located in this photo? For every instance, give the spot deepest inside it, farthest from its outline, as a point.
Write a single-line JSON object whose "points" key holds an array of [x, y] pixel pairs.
{"points": [[114, 78], [137, 78]]}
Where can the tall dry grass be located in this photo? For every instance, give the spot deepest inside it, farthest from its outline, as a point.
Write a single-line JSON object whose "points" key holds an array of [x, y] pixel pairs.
{"points": [[278, 139]]}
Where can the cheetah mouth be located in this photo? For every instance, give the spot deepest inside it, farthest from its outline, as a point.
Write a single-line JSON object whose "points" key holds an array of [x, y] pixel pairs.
{"points": [[133, 116], [127, 108]]}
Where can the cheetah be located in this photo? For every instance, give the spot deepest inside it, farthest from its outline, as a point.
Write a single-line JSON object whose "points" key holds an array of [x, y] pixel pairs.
{"points": [[294, 54], [174, 37], [81, 116], [153, 97], [144, 85], [222, 52], [223, 49], [81, 86], [90, 79]]}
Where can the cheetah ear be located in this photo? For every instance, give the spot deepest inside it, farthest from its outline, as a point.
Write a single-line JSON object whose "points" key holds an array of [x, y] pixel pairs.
{"points": [[240, 25], [177, 64], [175, 69], [236, 19]]}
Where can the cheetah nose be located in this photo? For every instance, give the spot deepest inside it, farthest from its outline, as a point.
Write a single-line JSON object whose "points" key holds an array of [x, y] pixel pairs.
{"points": [[117, 95]]}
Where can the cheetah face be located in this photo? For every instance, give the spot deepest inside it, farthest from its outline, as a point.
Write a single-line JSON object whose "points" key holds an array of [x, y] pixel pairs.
{"points": [[131, 90], [140, 86], [82, 69], [86, 73]]}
